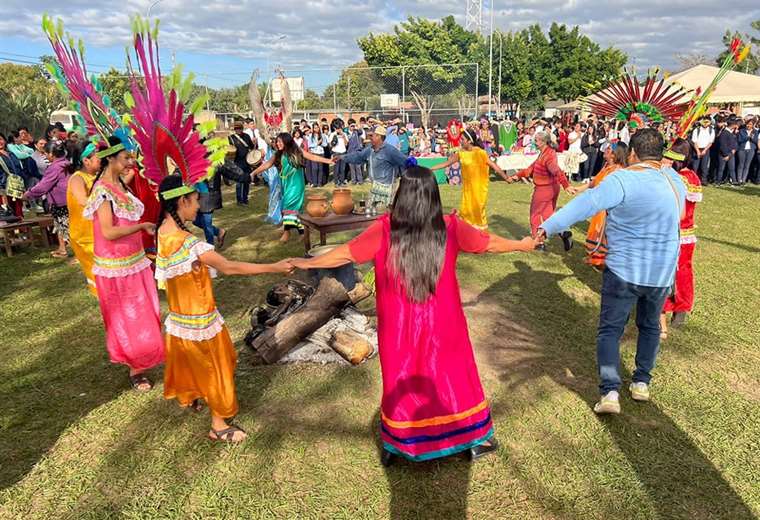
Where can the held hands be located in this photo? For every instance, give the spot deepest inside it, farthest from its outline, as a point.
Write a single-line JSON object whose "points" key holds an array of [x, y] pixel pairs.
{"points": [[336, 158], [540, 236], [571, 190], [149, 228], [299, 263], [528, 244], [283, 266]]}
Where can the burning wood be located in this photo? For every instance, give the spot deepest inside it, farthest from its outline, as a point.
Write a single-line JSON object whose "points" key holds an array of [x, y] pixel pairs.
{"points": [[314, 321]]}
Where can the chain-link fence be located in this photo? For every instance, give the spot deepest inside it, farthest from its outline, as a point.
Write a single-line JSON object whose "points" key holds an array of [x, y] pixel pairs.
{"points": [[421, 94]]}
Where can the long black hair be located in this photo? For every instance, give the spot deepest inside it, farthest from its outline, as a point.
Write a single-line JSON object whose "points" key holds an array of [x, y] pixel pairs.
{"points": [[169, 206], [418, 234], [289, 148]]}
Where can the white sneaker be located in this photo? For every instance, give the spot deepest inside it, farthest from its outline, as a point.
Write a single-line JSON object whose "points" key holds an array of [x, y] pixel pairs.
{"points": [[639, 391], [609, 403]]}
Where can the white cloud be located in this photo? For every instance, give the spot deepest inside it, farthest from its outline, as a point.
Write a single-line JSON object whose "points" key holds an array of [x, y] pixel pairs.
{"points": [[323, 33]]}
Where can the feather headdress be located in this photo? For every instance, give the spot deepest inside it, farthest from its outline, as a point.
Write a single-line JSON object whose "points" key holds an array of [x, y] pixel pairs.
{"points": [[163, 122], [93, 106], [626, 100]]}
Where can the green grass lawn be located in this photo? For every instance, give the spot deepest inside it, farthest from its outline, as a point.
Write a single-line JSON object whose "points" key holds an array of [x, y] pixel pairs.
{"points": [[76, 443]]}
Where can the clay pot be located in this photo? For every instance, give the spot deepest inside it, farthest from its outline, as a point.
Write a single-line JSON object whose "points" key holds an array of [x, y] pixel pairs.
{"points": [[342, 202], [316, 205]]}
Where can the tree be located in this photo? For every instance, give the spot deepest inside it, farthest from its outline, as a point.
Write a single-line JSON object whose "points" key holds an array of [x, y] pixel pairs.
{"points": [[693, 59], [419, 41], [536, 65], [27, 97], [116, 84], [751, 65]]}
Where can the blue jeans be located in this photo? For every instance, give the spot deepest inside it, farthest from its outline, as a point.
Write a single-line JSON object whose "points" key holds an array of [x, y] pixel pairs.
{"points": [[618, 300], [241, 192], [204, 221]]}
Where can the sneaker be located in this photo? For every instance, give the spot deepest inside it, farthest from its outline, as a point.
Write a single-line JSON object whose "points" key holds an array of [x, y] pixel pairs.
{"points": [[639, 391], [609, 403], [567, 240]]}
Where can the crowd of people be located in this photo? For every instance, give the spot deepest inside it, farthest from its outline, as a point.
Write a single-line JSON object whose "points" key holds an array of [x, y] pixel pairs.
{"points": [[124, 208]]}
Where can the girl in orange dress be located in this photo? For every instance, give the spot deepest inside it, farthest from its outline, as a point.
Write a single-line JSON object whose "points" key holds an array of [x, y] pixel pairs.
{"points": [[200, 356]]}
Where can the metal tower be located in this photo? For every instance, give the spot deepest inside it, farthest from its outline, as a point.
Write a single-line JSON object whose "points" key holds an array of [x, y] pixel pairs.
{"points": [[474, 16]]}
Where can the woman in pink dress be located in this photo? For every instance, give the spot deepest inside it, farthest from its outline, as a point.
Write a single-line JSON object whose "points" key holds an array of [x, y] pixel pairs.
{"points": [[433, 403], [123, 275]]}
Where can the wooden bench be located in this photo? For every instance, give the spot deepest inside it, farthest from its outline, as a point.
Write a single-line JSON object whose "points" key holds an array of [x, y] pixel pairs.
{"points": [[22, 232]]}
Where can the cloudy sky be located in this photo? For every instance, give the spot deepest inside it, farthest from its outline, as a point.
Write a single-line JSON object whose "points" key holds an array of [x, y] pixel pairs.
{"points": [[223, 41]]}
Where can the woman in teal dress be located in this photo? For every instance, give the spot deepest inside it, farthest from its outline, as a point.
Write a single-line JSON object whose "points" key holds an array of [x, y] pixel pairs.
{"points": [[289, 161]]}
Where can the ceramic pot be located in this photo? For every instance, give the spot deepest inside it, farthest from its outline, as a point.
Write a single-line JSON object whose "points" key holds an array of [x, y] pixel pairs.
{"points": [[342, 202], [316, 205]]}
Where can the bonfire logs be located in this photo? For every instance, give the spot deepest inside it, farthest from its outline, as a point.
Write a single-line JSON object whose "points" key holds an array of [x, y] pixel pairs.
{"points": [[328, 300]]}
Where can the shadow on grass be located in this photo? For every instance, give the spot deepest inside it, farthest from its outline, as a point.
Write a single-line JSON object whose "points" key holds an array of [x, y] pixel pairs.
{"points": [[429, 489], [58, 388], [679, 480], [743, 247]]}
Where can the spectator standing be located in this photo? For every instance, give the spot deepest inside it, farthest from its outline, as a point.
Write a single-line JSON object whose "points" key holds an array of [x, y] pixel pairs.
{"points": [[589, 146], [747, 142], [727, 146], [403, 137], [702, 139], [338, 146], [39, 155], [355, 144], [573, 161], [243, 144], [317, 145]]}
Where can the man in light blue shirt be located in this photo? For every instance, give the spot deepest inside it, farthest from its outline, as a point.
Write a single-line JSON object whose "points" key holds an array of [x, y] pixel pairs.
{"points": [[384, 163], [644, 203]]}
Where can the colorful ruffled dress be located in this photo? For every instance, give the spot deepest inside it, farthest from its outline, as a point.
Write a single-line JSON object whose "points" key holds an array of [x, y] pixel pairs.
{"points": [[200, 356], [293, 194], [80, 230], [475, 179], [124, 280], [433, 403]]}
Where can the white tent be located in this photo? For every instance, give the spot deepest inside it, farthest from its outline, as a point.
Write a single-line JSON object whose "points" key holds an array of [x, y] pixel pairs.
{"points": [[735, 88]]}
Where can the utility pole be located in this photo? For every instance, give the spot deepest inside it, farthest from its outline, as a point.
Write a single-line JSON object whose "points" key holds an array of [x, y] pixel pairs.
{"points": [[490, 63], [499, 112], [473, 15]]}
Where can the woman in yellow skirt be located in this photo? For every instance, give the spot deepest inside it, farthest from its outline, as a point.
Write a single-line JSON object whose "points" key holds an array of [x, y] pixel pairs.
{"points": [[80, 228], [475, 179], [200, 356]]}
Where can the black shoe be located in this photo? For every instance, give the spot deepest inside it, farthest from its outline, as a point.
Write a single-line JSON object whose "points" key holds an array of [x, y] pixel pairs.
{"points": [[387, 458], [567, 240], [679, 319], [483, 449], [541, 247]]}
